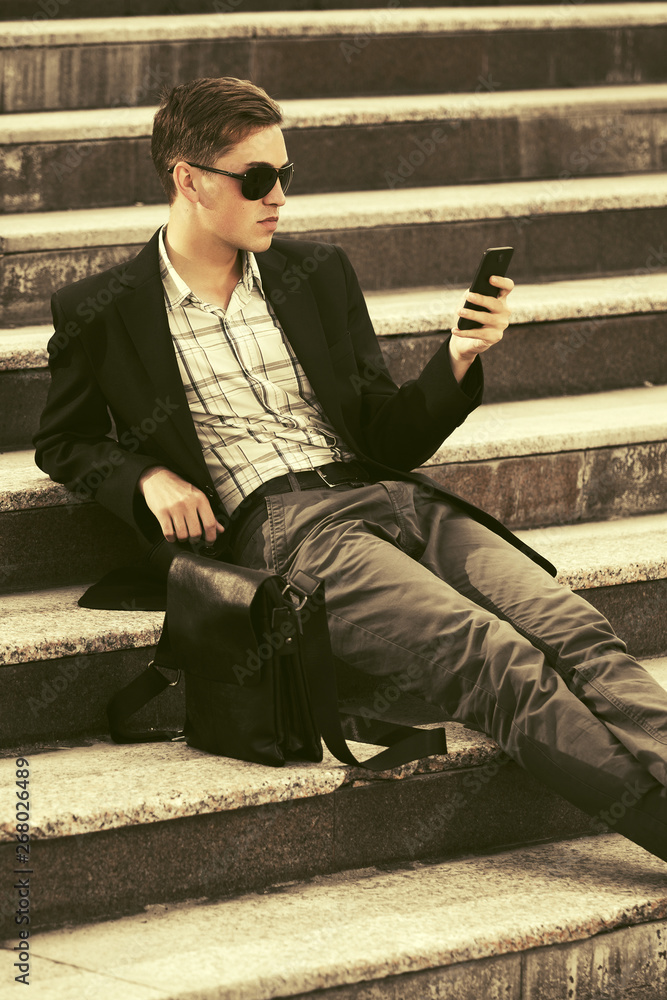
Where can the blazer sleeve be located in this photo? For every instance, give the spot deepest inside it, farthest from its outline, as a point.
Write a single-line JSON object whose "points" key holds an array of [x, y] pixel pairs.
{"points": [[402, 427], [75, 443]]}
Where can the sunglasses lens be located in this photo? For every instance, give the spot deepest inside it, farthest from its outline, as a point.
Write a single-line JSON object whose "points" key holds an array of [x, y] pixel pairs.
{"points": [[286, 174], [260, 180]]}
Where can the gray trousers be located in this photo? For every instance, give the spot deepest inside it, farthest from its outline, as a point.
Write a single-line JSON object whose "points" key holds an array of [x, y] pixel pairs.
{"points": [[416, 587]]}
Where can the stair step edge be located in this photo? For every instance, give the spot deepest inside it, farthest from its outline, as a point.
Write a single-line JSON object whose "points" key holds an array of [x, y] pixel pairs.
{"points": [[48, 624], [299, 24], [367, 925], [332, 212], [91, 124]]}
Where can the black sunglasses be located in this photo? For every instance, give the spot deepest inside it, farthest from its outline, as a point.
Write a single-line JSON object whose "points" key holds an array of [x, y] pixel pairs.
{"points": [[257, 182]]}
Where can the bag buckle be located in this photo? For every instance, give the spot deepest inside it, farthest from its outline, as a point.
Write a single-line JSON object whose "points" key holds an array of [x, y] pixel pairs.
{"points": [[293, 593], [160, 668]]}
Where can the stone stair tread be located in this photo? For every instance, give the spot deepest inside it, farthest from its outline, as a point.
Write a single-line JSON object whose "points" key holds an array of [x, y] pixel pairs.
{"points": [[24, 347], [96, 785], [604, 553], [25, 486], [496, 430], [431, 308], [563, 423], [352, 210], [427, 309], [47, 624], [358, 927], [120, 122], [104, 786], [285, 24]]}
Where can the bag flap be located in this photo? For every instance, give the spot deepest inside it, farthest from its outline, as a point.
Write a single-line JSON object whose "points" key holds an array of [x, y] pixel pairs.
{"points": [[216, 615]]}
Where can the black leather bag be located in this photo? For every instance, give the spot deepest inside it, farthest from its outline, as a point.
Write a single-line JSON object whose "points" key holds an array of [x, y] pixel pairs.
{"points": [[260, 679]]}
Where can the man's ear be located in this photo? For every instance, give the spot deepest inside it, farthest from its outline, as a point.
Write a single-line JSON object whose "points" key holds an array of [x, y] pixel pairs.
{"points": [[185, 182]]}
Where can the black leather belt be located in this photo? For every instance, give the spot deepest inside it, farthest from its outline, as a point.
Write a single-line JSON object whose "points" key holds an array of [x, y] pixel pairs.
{"points": [[243, 519], [333, 474]]}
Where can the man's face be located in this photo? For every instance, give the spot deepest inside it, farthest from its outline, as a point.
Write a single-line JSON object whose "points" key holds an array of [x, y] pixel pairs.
{"points": [[222, 210]]}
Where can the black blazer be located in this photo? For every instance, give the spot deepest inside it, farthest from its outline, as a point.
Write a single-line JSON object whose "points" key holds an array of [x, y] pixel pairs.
{"points": [[116, 404]]}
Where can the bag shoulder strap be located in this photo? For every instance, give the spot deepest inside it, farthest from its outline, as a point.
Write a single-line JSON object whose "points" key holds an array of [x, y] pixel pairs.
{"points": [[405, 743], [142, 689]]}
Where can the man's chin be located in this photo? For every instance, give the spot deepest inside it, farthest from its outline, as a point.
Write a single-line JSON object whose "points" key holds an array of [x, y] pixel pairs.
{"points": [[260, 244]]}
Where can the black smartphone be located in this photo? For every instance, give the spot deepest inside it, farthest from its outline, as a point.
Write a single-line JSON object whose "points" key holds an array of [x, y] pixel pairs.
{"points": [[495, 260]]}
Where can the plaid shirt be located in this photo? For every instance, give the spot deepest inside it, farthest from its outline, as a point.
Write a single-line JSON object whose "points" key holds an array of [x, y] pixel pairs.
{"points": [[254, 410]]}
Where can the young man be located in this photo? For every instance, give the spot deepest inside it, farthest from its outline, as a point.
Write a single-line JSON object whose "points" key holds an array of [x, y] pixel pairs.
{"points": [[252, 406]]}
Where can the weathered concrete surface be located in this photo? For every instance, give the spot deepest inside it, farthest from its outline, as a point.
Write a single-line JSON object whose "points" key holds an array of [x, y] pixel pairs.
{"points": [[352, 930], [586, 227], [52, 65], [92, 158]]}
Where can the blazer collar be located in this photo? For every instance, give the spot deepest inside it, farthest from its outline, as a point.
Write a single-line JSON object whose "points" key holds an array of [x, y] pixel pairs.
{"points": [[143, 311]]}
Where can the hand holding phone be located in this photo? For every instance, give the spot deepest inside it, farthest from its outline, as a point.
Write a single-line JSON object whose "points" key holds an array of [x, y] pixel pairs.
{"points": [[495, 260]]}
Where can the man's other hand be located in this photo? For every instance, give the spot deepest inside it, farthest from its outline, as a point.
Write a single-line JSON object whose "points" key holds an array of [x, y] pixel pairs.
{"points": [[184, 512], [465, 345]]}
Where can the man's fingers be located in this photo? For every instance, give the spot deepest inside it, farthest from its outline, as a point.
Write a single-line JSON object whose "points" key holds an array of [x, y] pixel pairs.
{"points": [[489, 302], [209, 525], [183, 511], [504, 284], [167, 528]]}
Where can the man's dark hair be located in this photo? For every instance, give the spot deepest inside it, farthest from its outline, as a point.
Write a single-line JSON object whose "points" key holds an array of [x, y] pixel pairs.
{"points": [[200, 120]]}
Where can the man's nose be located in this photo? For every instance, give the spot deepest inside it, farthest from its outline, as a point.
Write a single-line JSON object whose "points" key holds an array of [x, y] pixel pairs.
{"points": [[276, 195]]}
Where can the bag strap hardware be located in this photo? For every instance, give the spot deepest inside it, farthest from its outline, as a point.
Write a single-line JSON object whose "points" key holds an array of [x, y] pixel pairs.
{"points": [[303, 583], [298, 598]]}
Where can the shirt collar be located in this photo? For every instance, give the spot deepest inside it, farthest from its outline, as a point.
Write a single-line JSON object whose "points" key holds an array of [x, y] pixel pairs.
{"points": [[178, 291]]}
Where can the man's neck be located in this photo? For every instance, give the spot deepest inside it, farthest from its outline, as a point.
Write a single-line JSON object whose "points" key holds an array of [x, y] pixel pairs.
{"points": [[209, 267]]}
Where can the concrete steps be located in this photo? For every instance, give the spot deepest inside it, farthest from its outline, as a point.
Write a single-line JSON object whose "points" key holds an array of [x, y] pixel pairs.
{"points": [[531, 99], [101, 157], [50, 645], [567, 337], [48, 9], [125, 61], [212, 816], [571, 228], [530, 463], [550, 461], [466, 928]]}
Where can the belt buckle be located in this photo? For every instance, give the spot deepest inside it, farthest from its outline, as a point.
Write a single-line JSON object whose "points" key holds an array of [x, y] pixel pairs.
{"points": [[325, 480]]}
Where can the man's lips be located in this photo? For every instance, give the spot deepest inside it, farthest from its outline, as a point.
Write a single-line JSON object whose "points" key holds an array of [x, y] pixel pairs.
{"points": [[271, 221]]}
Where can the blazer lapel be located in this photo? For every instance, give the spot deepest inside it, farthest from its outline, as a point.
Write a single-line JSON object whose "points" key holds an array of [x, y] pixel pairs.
{"points": [[301, 323]]}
